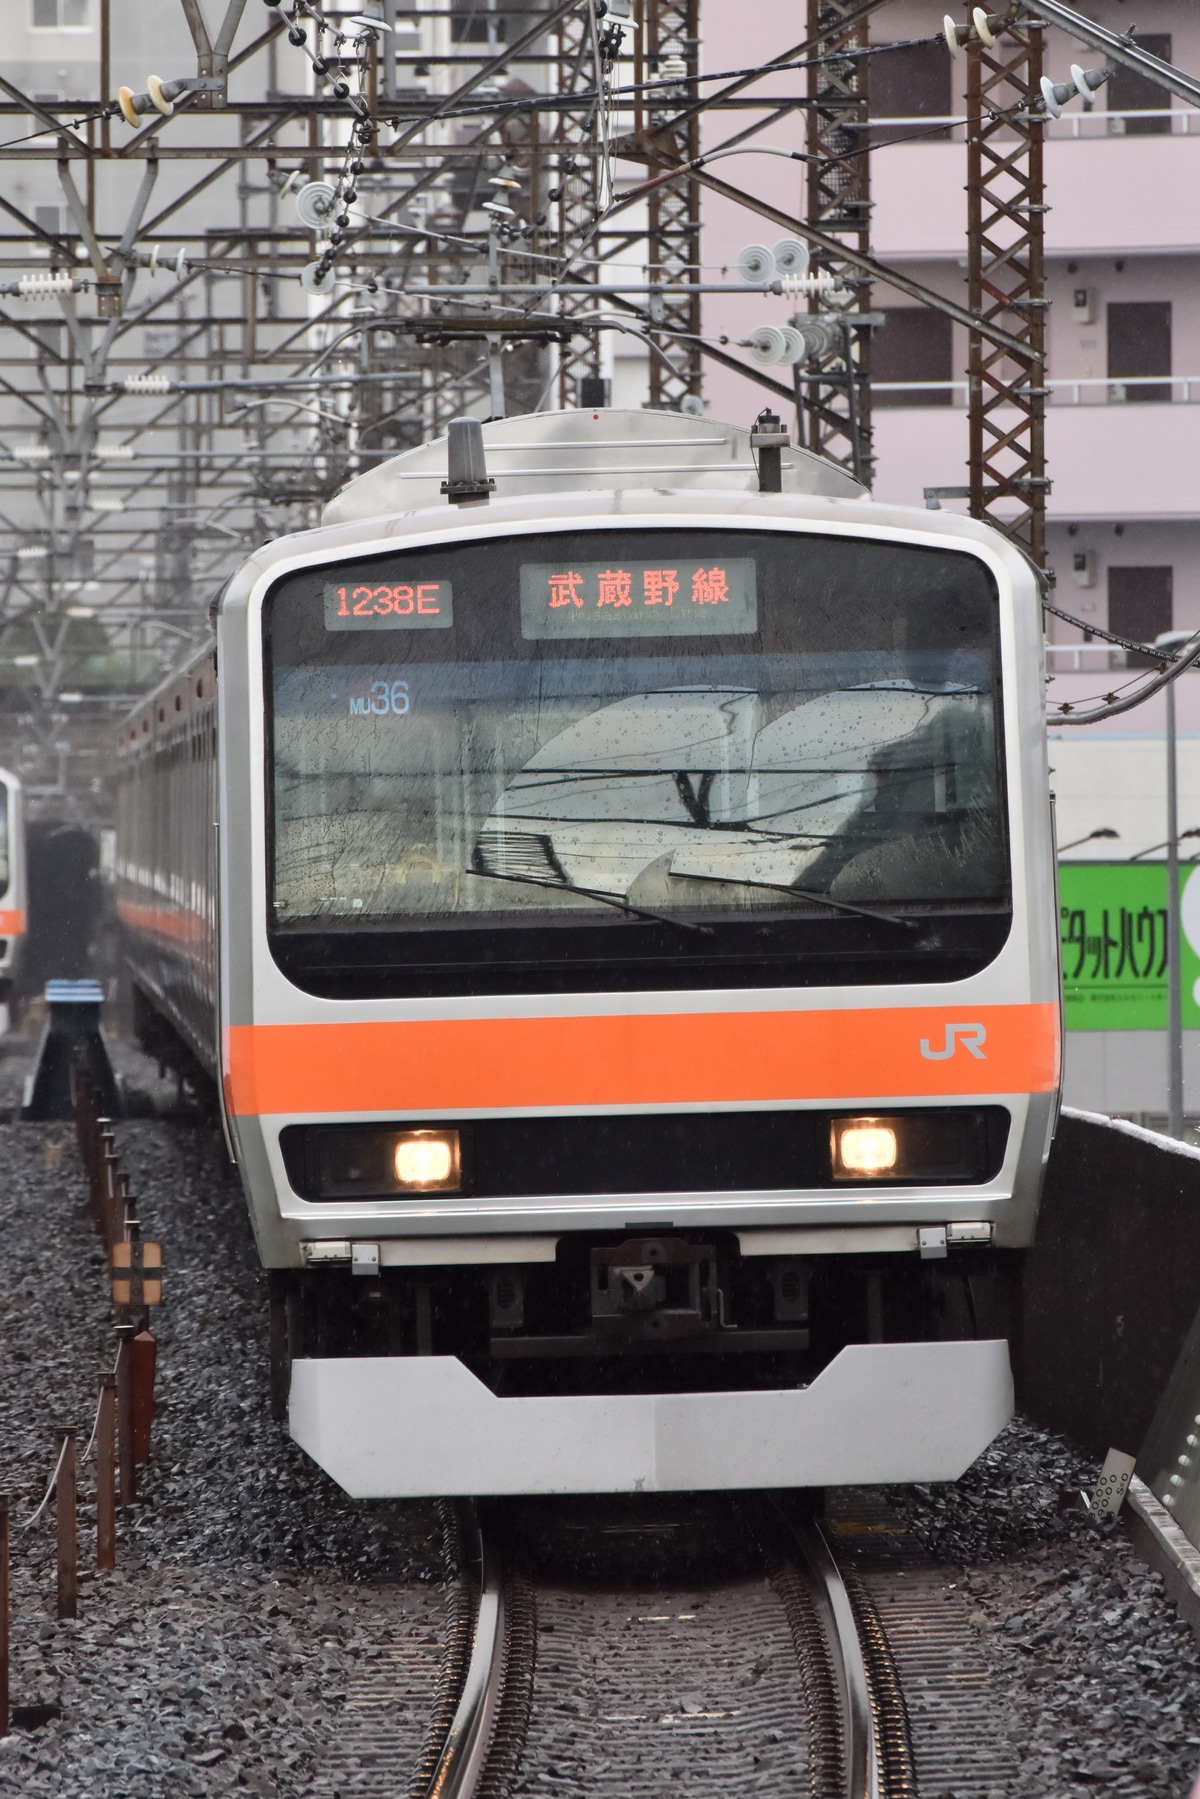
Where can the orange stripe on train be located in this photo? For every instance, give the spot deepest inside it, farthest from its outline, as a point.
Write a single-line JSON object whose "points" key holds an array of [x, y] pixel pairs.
{"points": [[654, 1059], [12, 923], [178, 923]]}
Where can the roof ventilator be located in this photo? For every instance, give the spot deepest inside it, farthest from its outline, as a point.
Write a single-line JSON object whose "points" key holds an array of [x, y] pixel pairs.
{"points": [[466, 466], [769, 438]]}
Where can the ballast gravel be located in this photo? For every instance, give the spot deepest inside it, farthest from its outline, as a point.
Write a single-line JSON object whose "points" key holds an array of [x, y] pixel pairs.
{"points": [[250, 1593], [1102, 1673], [235, 1646]]}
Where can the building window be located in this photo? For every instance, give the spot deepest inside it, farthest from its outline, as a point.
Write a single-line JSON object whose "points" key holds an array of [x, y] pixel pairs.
{"points": [[915, 344], [1140, 605], [59, 15], [1139, 344], [1130, 92], [910, 83], [475, 22]]}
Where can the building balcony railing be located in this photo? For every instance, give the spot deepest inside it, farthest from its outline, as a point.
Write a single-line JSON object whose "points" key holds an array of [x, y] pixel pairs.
{"points": [[1109, 193], [1099, 390], [1088, 658], [1105, 462]]}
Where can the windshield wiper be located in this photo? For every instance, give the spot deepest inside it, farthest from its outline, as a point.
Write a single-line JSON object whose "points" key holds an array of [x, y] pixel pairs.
{"points": [[808, 893], [607, 899]]}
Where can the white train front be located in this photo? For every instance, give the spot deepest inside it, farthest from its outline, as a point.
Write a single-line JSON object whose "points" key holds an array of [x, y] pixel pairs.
{"points": [[621, 919]]}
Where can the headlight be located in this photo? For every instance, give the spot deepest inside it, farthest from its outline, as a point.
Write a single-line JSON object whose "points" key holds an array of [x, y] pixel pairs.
{"points": [[862, 1148], [373, 1161], [428, 1161], [949, 1145]]}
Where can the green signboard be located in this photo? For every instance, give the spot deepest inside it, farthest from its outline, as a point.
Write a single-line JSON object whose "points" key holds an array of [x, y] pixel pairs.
{"points": [[1113, 918]]}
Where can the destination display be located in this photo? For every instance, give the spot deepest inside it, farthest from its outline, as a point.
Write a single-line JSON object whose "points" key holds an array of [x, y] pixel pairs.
{"points": [[389, 606], [638, 599]]}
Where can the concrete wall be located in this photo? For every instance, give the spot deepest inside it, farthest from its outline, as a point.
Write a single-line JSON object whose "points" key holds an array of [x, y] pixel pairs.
{"points": [[1109, 1291], [1126, 1072]]}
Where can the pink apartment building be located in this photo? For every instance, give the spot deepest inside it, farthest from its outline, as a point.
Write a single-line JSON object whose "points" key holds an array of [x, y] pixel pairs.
{"points": [[1123, 427]]}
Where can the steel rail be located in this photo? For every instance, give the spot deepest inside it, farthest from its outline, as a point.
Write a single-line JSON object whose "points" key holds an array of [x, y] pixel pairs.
{"points": [[463, 1756], [837, 1619]]}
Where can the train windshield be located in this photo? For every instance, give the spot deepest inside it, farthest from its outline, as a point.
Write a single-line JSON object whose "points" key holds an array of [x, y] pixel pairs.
{"points": [[617, 726], [5, 806]]}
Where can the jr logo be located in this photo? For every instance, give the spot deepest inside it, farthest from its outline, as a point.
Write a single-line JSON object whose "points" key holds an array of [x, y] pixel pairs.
{"points": [[970, 1036]]}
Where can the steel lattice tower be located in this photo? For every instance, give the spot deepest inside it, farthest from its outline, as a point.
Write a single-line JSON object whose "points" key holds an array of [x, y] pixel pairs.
{"points": [[1006, 280], [834, 392], [672, 44]]}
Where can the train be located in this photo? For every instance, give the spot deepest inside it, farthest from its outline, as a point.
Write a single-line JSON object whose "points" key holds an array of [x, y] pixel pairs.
{"points": [[606, 871], [13, 890]]}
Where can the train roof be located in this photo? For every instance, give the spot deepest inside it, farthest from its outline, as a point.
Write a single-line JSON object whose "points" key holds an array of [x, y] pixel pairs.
{"points": [[605, 448]]}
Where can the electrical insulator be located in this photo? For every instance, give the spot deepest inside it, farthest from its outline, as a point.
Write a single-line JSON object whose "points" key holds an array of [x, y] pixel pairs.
{"points": [[45, 281], [810, 287], [755, 263]]}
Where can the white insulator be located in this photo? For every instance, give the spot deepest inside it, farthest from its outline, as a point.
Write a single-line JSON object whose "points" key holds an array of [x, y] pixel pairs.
{"points": [[791, 257], [756, 263], [794, 345], [980, 21], [315, 204], [314, 282], [147, 384], [45, 281], [127, 102], [1087, 82], [113, 452], [818, 337], [1053, 95], [768, 344], [29, 452], [950, 32], [163, 102], [810, 287]]}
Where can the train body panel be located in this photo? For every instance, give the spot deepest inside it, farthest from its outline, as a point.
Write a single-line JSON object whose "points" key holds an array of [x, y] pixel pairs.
{"points": [[167, 861], [624, 938], [13, 883]]}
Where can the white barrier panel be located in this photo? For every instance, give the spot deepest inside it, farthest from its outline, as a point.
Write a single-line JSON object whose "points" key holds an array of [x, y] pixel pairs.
{"points": [[415, 1426]]}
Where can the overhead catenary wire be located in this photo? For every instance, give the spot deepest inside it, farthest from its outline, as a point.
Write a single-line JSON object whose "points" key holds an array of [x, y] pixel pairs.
{"points": [[1068, 712], [1124, 643], [373, 254]]}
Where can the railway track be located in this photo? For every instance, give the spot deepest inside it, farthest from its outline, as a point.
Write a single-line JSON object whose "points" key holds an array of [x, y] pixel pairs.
{"points": [[784, 1678]]}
